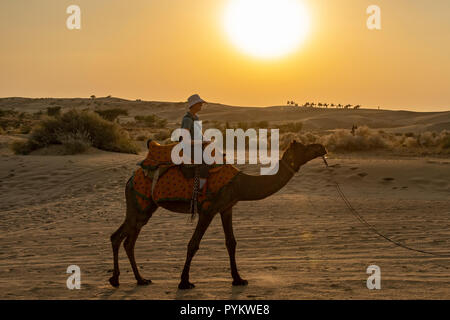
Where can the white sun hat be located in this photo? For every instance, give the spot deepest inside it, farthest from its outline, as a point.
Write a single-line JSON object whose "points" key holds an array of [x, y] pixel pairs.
{"points": [[194, 99]]}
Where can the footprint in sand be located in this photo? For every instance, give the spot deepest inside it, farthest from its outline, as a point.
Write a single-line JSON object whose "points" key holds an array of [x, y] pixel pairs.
{"points": [[388, 179], [362, 174]]}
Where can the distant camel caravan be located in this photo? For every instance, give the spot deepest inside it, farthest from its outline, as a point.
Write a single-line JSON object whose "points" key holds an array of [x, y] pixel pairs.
{"points": [[242, 187]]}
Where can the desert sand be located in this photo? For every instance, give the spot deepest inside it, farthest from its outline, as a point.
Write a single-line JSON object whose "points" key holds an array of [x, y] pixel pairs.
{"points": [[301, 243]]}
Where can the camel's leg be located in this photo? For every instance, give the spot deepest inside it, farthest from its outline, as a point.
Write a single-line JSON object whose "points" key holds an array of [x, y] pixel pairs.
{"points": [[134, 221], [193, 246], [130, 242], [227, 223], [116, 239]]}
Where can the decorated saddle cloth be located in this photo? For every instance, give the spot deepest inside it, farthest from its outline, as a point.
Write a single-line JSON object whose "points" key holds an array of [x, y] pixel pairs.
{"points": [[171, 184]]}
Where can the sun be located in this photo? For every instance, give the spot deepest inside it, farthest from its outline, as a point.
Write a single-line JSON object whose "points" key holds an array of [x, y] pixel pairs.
{"points": [[266, 28]]}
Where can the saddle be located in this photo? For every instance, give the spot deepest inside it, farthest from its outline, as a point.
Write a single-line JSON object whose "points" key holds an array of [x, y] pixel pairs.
{"points": [[160, 156], [159, 180]]}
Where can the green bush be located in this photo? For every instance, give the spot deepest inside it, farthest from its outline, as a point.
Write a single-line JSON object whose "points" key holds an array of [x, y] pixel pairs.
{"points": [[112, 114], [74, 124]]}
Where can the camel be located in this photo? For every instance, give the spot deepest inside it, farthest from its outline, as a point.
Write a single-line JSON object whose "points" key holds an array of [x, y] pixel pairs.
{"points": [[243, 188]]}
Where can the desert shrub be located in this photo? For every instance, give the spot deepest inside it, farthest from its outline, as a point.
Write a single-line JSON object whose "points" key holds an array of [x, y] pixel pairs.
{"points": [[162, 135], [260, 125], [364, 139], [243, 125], [428, 139], [23, 147], [410, 142], [25, 129], [53, 111], [74, 124], [291, 127], [112, 114], [4, 113], [152, 121], [75, 142], [141, 138], [162, 123], [445, 139], [37, 115]]}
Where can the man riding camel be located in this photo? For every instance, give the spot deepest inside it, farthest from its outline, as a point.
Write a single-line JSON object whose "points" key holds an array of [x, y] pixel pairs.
{"points": [[191, 123]]}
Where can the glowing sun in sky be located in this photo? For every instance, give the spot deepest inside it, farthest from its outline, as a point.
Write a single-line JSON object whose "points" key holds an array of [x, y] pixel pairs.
{"points": [[266, 28]]}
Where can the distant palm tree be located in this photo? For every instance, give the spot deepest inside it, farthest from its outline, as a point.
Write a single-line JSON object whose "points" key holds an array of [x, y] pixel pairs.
{"points": [[326, 105], [357, 107], [332, 105], [319, 104], [306, 104]]}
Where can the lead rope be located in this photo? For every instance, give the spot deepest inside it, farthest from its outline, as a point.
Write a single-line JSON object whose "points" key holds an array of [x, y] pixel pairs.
{"points": [[368, 225]]}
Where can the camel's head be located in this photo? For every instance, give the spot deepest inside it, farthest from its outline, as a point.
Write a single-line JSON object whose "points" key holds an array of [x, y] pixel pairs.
{"points": [[298, 154]]}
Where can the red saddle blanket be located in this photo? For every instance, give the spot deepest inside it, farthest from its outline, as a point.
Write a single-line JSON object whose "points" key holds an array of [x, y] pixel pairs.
{"points": [[173, 186], [158, 155]]}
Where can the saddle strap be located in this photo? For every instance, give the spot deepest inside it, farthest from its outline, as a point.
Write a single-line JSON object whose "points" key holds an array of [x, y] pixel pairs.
{"points": [[155, 180]]}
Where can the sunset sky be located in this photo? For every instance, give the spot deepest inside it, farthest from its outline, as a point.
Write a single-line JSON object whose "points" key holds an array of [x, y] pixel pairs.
{"points": [[165, 50]]}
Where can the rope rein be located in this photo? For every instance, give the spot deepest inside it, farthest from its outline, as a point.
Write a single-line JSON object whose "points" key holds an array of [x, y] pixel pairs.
{"points": [[368, 225]]}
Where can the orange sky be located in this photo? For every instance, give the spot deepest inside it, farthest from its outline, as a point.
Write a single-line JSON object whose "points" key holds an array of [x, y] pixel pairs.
{"points": [[168, 49]]}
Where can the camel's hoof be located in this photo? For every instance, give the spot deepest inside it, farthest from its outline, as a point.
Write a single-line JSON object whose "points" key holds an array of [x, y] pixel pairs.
{"points": [[185, 285], [114, 282], [240, 282], [144, 282]]}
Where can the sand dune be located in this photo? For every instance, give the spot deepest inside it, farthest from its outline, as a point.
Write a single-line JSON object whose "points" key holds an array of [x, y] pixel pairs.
{"points": [[300, 243], [312, 118]]}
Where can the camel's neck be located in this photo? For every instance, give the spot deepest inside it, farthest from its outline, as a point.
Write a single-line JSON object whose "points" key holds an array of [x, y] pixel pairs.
{"points": [[259, 187]]}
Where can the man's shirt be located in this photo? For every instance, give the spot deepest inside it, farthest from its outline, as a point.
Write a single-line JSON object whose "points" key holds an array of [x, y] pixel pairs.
{"points": [[188, 123]]}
